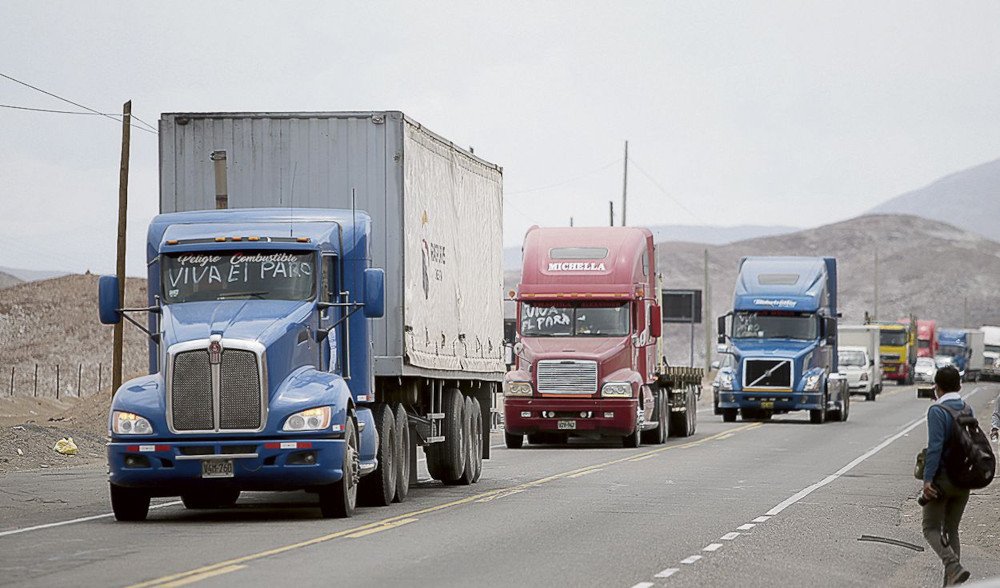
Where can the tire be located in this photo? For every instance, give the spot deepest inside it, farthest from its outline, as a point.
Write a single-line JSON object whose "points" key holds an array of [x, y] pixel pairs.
{"points": [[379, 487], [446, 459], [633, 439], [692, 413], [729, 415], [658, 436], [206, 500], [748, 414], [129, 504], [818, 417], [474, 460], [872, 393], [339, 499], [846, 412], [682, 423], [403, 455], [513, 441]]}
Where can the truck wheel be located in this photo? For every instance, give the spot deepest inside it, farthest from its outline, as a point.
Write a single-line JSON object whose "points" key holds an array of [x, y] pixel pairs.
{"points": [[513, 441], [635, 438], [206, 500], [338, 500], [129, 504], [478, 436], [658, 435], [682, 423], [692, 413], [729, 415], [403, 455], [379, 487], [474, 459], [847, 409], [449, 455], [818, 417], [870, 397]]}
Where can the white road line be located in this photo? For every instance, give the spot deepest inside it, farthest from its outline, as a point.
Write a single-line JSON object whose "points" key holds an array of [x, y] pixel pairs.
{"points": [[691, 559], [730, 536], [712, 547], [746, 527], [79, 520], [667, 573], [760, 520], [855, 463], [644, 585]]}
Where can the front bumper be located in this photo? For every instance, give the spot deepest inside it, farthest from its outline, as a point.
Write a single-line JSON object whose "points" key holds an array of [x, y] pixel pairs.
{"points": [[169, 467], [779, 401], [895, 371], [621, 422]]}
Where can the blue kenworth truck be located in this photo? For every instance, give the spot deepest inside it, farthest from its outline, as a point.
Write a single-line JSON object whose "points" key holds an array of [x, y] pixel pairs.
{"points": [[782, 333], [324, 297]]}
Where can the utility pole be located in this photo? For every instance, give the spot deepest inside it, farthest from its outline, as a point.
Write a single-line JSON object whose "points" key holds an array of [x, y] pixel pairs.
{"points": [[965, 314], [116, 374], [624, 185], [611, 213], [571, 221], [875, 313], [706, 305]]}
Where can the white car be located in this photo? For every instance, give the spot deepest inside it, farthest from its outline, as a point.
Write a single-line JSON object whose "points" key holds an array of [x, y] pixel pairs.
{"points": [[860, 371], [925, 369]]}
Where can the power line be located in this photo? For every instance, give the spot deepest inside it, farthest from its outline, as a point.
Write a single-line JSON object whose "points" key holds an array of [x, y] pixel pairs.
{"points": [[55, 111], [664, 191], [564, 182], [78, 105]]}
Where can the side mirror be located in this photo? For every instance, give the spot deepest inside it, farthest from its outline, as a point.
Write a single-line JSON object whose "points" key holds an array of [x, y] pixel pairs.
{"points": [[108, 301], [721, 339], [508, 354], [715, 365], [655, 321], [871, 362], [374, 292]]}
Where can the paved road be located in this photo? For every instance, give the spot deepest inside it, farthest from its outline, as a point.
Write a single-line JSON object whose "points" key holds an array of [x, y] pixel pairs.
{"points": [[754, 504]]}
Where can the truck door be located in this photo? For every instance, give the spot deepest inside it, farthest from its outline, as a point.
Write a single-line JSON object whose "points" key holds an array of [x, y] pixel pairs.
{"points": [[331, 352]]}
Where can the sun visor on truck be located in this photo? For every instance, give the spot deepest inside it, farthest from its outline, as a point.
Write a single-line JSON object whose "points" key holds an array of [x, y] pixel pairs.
{"points": [[790, 303]]}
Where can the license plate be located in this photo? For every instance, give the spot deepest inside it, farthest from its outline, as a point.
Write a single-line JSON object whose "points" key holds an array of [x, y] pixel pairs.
{"points": [[217, 468], [767, 404], [567, 425]]}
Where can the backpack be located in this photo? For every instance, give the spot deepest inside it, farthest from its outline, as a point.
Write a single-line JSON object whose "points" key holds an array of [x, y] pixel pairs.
{"points": [[968, 456]]}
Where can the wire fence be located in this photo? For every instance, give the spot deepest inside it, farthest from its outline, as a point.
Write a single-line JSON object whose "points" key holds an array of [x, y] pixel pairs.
{"points": [[53, 380]]}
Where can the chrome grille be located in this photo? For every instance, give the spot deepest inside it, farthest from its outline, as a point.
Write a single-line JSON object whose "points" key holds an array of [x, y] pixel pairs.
{"points": [[767, 373], [889, 357], [191, 392], [239, 390], [567, 377]]}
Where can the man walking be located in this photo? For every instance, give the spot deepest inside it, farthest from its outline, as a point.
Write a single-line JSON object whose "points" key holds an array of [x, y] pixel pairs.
{"points": [[945, 503]]}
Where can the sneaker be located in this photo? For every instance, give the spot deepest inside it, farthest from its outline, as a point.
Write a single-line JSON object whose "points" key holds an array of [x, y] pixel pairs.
{"points": [[955, 574]]}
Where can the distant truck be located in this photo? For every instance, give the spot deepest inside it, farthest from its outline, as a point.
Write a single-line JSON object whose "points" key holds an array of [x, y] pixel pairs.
{"points": [[342, 309], [859, 359], [991, 352], [965, 347], [927, 338], [783, 336], [898, 351], [588, 358]]}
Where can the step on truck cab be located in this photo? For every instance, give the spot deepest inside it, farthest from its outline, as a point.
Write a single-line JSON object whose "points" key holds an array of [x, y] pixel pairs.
{"points": [[588, 361], [782, 333], [324, 297], [898, 351]]}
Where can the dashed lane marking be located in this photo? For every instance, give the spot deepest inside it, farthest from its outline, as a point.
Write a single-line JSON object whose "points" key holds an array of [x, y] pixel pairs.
{"points": [[712, 547], [760, 520], [690, 559], [667, 573], [730, 536], [490, 494], [644, 585], [746, 527]]}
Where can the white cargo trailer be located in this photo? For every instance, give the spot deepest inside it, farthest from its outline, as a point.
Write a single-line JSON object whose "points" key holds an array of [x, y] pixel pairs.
{"points": [[436, 213], [976, 340]]}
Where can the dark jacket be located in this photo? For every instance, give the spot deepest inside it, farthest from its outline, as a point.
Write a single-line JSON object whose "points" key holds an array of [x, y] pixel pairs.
{"points": [[939, 427]]}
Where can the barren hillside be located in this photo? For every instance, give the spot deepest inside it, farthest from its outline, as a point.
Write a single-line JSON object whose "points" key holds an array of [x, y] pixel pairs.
{"points": [[7, 280]]}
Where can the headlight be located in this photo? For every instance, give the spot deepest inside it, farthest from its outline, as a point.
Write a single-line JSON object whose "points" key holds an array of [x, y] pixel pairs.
{"points": [[813, 382], [314, 419], [619, 389], [127, 423], [726, 382], [518, 389], [864, 376]]}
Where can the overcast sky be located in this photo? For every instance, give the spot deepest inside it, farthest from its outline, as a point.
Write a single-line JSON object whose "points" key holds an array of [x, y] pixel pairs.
{"points": [[794, 113]]}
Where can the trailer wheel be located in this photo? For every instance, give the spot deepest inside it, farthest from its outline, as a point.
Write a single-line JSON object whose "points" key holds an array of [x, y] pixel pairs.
{"points": [[513, 441], [682, 423], [474, 459], [403, 454], [379, 487], [338, 500], [206, 500], [129, 504], [692, 413], [449, 455], [729, 415]]}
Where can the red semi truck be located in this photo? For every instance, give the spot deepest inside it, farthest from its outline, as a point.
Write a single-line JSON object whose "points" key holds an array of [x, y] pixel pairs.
{"points": [[927, 339], [588, 360]]}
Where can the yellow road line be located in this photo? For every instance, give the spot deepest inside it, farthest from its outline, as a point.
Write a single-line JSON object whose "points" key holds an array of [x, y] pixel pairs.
{"points": [[642, 458], [379, 529], [202, 576], [490, 494], [584, 473]]}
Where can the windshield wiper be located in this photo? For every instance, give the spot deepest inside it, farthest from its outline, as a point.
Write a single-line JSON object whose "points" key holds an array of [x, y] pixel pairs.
{"points": [[226, 295]]}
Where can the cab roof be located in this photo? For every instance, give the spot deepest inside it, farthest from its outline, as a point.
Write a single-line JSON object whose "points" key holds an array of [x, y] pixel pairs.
{"points": [[797, 284]]}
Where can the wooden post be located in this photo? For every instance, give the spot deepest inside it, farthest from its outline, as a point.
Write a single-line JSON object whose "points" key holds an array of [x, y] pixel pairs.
{"points": [[57, 381], [611, 213], [116, 367], [35, 392], [11, 380], [79, 379]]}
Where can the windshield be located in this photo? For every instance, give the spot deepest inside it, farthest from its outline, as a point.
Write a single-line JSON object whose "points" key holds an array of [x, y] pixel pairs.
{"points": [[229, 275], [851, 358], [770, 324], [892, 338], [951, 350], [923, 343], [584, 319]]}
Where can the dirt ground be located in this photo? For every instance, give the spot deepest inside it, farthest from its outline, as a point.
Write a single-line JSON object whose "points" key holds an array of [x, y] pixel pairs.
{"points": [[30, 427]]}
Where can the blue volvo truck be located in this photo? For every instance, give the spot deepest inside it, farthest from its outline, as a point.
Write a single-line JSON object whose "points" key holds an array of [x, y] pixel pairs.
{"points": [[782, 334], [324, 296]]}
